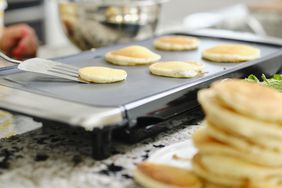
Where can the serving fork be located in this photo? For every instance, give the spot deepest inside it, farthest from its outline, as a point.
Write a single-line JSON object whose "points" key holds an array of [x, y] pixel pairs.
{"points": [[47, 67]]}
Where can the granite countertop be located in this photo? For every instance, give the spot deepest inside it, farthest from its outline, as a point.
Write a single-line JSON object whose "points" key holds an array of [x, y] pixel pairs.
{"points": [[54, 157]]}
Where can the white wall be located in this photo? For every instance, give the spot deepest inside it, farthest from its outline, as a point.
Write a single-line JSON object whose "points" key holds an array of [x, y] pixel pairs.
{"points": [[175, 10]]}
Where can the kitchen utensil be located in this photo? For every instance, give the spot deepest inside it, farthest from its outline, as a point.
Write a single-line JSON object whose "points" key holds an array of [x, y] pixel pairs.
{"points": [[47, 67]]}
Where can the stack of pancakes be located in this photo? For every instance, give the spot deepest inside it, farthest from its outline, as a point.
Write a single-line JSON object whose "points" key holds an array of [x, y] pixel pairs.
{"points": [[240, 144]]}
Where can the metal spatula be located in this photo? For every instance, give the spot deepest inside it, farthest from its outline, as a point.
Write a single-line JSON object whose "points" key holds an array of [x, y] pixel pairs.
{"points": [[47, 67]]}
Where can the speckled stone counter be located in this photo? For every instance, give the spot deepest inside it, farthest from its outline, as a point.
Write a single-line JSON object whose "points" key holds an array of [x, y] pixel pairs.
{"points": [[58, 158]]}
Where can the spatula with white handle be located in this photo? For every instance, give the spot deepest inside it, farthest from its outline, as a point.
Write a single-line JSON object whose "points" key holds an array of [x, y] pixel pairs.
{"points": [[47, 67]]}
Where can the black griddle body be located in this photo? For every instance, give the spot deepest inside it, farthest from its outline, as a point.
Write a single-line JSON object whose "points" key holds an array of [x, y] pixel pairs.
{"points": [[158, 111]]}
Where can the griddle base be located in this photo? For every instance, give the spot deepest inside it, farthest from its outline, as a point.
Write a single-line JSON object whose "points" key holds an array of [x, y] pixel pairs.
{"points": [[101, 140], [139, 132]]}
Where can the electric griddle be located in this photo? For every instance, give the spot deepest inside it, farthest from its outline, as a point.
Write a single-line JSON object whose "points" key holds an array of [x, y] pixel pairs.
{"points": [[138, 107]]}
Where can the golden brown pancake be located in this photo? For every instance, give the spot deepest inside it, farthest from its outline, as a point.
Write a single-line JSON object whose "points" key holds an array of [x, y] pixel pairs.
{"points": [[238, 142], [239, 145], [211, 177], [237, 168], [231, 53], [176, 69], [152, 175], [102, 74], [132, 55], [262, 133], [223, 175], [176, 43], [207, 144], [250, 99], [227, 119]]}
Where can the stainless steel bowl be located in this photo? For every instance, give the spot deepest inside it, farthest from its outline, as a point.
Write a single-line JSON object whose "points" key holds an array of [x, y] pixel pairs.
{"points": [[97, 23]]}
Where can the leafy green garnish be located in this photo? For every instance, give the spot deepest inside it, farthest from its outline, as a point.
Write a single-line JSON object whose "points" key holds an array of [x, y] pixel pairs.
{"points": [[277, 77], [274, 82]]}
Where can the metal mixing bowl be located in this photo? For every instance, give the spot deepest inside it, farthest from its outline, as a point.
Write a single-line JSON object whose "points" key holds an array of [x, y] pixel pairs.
{"points": [[97, 23]]}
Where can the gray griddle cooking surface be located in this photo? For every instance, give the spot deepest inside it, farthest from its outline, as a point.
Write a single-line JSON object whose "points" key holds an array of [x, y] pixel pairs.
{"points": [[138, 85]]}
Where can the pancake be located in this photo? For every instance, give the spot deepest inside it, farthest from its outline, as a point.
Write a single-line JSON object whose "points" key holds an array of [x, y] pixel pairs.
{"points": [[176, 43], [243, 144], [239, 144], [152, 175], [210, 145], [264, 142], [132, 55], [261, 184], [102, 74], [237, 168], [252, 99], [211, 177], [262, 133], [176, 69], [227, 119], [231, 53], [232, 171]]}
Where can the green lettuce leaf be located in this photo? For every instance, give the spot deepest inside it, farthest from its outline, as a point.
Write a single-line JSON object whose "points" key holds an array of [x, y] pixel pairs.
{"points": [[274, 82]]}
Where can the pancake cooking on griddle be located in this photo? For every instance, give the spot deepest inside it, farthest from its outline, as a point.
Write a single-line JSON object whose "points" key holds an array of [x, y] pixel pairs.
{"points": [[176, 69], [102, 74], [132, 55], [232, 53], [176, 43]]}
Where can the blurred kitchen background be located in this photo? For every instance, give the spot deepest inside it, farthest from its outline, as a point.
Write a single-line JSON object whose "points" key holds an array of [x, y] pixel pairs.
{"points": [[255, 16]]}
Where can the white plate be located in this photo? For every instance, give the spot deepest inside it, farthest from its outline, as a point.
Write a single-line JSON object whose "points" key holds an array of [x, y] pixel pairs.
{"points": [[183, 150]]}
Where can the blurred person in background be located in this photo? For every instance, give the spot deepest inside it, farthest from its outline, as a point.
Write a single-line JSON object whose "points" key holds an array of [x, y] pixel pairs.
{"points": [[18, 41]]}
